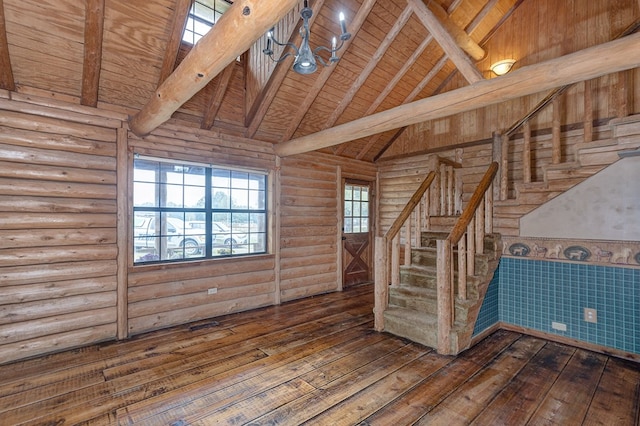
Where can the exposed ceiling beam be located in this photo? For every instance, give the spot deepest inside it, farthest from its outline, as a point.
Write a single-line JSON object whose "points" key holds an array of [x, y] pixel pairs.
{"points": [[372, 108], [390, 142], [410, 97], [318, 84], [175, 38], [614, 56], [215, 100], [6, 73], [469, 29], [396, 79], [481, 15], [462, 39], [232, 35], [261, 104], [92, 63], [371, 65], [447, 42]]}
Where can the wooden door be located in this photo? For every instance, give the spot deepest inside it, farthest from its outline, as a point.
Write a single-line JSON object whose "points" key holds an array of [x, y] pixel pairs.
{"points": [[356, 233]]}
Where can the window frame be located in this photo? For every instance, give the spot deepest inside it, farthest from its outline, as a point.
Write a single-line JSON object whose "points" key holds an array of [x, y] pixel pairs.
{"points": [[360, 201], [190, 31], [252, 240]]}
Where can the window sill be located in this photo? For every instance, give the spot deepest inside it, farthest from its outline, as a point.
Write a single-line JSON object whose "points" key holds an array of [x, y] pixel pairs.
{"points": [[199, 262]]}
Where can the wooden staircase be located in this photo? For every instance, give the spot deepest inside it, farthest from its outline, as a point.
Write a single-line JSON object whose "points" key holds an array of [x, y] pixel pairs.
{"points": [[412, 310], [589, 158], [435, 297], [429, 301]]}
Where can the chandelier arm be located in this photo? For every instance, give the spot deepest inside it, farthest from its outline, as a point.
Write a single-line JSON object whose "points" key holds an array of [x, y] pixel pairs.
{"points": [[332, 51], [324, 64], [282, 58], [293, 46]]}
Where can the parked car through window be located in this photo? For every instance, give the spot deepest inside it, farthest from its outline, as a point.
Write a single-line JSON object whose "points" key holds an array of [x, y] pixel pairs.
{"points": [[187, 211]]}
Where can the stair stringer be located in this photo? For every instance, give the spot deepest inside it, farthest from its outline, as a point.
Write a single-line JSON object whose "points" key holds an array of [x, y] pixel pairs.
{"points": [[462, 331]]}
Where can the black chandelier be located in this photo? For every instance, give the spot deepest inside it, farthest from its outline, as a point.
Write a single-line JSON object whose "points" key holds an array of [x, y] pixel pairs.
{"points": [[305, 58]]}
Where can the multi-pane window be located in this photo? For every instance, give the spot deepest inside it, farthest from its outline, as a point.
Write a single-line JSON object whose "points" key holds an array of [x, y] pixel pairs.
{"points": [[192, 211], [356, 208], [202, 16]]}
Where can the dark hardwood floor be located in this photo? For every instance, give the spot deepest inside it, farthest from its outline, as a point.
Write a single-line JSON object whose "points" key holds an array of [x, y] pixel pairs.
{"points": [[317, 361]]}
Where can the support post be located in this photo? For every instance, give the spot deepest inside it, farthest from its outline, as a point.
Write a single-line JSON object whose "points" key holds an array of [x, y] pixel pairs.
{"points": [[444, 299], [556, 145], [381, 283], [526, 153]]}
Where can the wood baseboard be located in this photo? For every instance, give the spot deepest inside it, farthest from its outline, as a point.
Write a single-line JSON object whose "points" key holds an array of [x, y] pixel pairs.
{"points": [[561, 339]]}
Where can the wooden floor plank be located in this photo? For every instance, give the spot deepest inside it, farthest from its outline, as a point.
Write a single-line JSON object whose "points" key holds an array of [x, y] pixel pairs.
{"points": [[234, 385], [373, 398], [246, 410], [293, 366], [463, 405], [519, 399], [568, 400], [310, 405], [316, 361], [263, 320], [433, 389], [617, 398]]}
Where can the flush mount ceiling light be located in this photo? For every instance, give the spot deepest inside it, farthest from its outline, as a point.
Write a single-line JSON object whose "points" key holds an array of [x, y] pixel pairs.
{"points": [[502, 67], [305, 58]]}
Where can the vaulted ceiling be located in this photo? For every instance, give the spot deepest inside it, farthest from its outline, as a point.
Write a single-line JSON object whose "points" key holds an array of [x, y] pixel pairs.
{"points": [[116, 53]]}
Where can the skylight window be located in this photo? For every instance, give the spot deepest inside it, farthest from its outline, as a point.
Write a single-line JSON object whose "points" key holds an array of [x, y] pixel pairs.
{"points": [[202, 16]]}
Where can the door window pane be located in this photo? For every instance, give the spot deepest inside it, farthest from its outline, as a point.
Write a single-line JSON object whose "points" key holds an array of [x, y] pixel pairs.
{"points": [[356, 208]]}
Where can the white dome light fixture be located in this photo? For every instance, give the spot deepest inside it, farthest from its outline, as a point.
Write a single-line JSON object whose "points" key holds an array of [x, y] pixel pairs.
{"points": [[502, 67]]}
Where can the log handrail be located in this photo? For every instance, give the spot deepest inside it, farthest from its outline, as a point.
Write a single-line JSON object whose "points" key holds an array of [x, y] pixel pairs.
{"points": [[408, 208], [465, 218], [554, 93], [383, 246], [468, 234]]}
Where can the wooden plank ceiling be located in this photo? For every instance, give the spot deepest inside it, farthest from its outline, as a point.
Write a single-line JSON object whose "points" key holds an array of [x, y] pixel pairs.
{"points": [[116, 53]]}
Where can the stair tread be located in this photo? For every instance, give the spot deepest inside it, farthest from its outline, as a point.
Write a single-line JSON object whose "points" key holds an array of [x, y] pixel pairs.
{"points": [[415, 291], [426, 318], [600, 143]]}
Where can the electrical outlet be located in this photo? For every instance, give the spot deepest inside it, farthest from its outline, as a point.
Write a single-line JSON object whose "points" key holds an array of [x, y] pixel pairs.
{"points": [[590, 315], [212, 290], [558, 326]]}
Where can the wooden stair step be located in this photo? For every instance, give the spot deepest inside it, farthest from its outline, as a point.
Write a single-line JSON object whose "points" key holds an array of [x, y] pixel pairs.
{"points": [[419, 327], [429, 238], [426, 300], [576, 171], [625, 126], [599, 143], [418, 276], [442, 223], [425, 256], [558, 185], [537, 198], [514, 209], [607, 154]]}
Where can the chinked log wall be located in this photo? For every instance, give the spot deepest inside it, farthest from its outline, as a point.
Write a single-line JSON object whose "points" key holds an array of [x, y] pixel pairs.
{"points": [[65, 276]]}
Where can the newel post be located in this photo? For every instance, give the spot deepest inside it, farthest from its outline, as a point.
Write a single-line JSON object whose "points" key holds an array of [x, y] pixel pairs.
{"points": [[381, 286], [445, 299]]}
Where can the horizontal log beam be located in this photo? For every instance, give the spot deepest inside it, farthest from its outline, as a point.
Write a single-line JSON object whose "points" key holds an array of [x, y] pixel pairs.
{"points": [[607, 58], [232, 35]]}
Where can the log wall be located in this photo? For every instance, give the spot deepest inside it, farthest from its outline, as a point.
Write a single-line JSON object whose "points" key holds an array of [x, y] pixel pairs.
{"points": [[57, 230], [310, 215], [66, 277], [169, 294]]}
